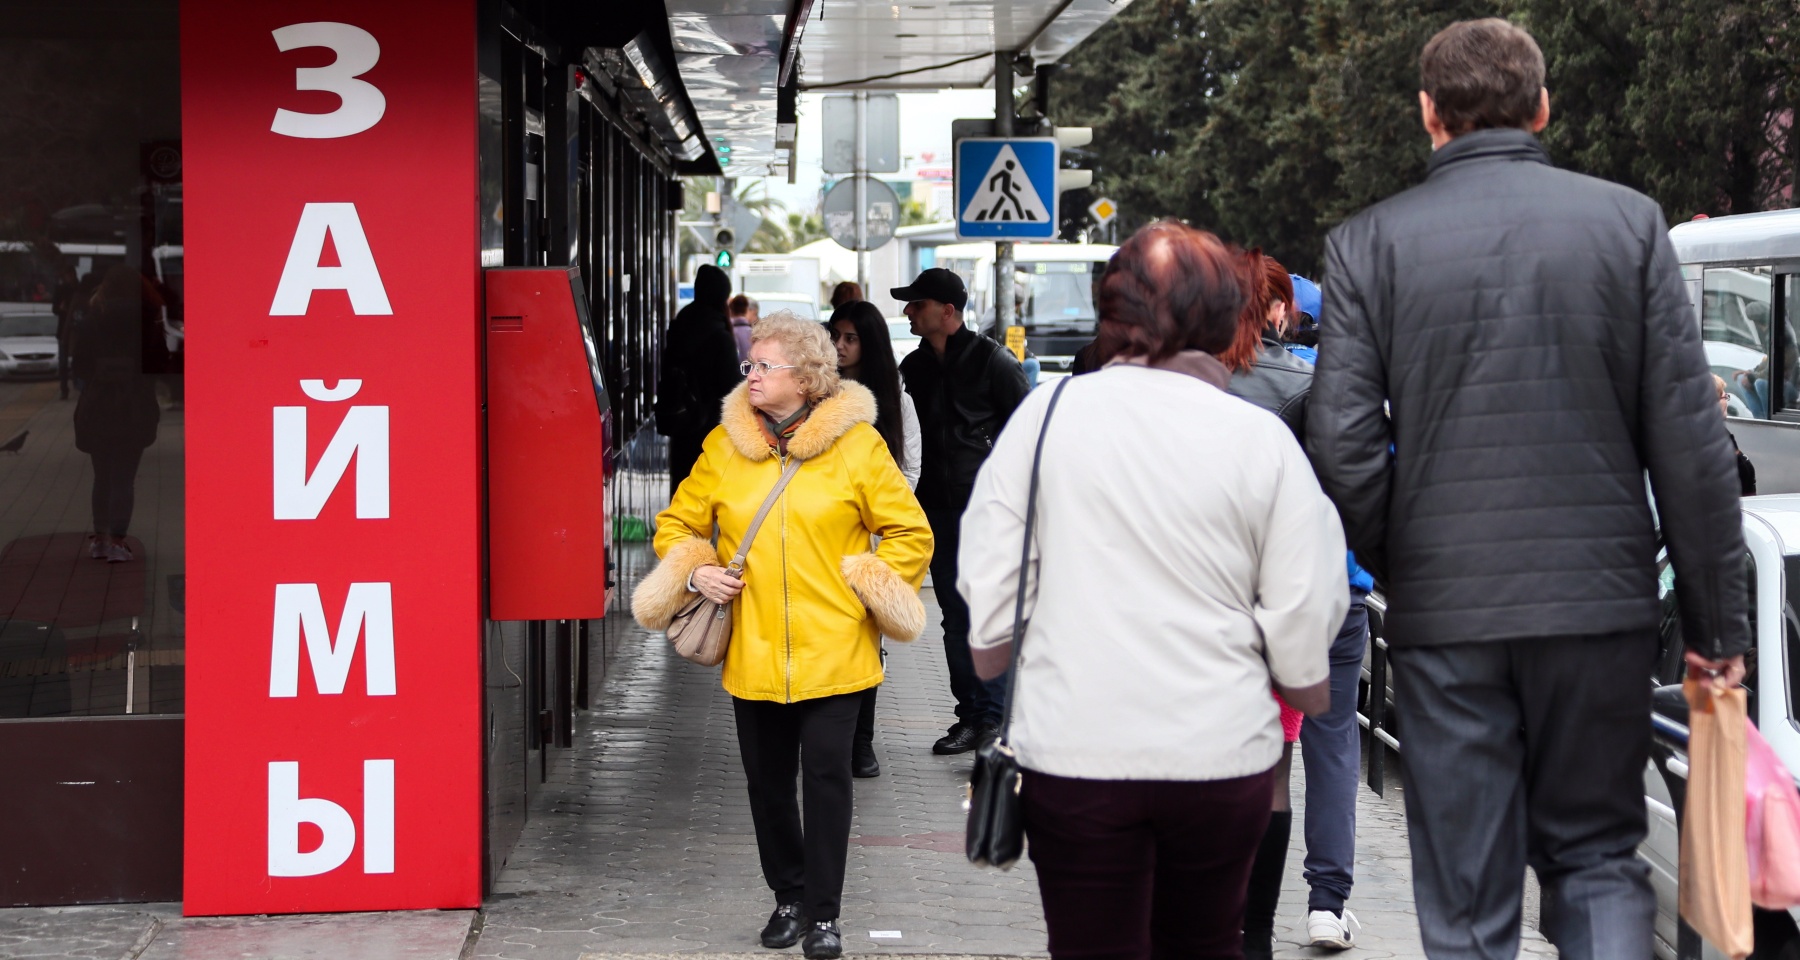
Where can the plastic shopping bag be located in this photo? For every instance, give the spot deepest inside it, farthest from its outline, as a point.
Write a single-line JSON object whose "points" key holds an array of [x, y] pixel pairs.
{"points": [[1715, 869], [1772, 822]]}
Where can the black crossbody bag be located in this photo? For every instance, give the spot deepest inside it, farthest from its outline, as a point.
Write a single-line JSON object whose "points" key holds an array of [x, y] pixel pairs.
{"points": [[996, 831]]}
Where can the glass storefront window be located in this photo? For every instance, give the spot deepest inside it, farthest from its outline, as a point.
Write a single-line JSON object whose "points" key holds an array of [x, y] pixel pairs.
{"points": [[92, 571]]}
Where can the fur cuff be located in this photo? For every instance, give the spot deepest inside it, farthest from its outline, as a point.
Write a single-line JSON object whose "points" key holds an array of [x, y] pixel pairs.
{"points": [[664, 592], [898, 611]]}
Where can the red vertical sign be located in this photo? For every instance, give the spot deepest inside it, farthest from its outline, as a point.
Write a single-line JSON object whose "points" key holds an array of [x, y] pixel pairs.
{"points": [[334, 612]]}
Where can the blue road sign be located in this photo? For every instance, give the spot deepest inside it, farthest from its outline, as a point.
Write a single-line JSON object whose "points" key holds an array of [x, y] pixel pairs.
{"points": [[1006, 188]]}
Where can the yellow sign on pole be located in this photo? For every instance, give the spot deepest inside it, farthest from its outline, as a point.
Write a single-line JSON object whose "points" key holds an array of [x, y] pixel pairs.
{"points": [[1015, 341]]}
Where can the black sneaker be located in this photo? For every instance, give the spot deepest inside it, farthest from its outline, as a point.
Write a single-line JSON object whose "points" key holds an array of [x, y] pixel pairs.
{"points": [[784, 927], [823, 942], [962, 738]]}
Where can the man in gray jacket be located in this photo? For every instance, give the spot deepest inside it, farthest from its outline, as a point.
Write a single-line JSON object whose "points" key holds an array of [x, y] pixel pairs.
{"points": [[1506, 351]]}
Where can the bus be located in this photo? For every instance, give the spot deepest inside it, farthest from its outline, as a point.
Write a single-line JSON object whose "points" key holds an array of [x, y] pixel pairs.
{"points": [[1053, 286]]}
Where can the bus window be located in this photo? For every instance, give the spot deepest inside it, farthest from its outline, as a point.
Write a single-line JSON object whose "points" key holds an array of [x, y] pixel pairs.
{"points": [[1787, 304], [1736, 311]]}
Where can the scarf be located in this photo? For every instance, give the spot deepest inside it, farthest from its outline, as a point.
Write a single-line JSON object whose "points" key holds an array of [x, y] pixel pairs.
{"points": [[1198, 364], [779, 432]]}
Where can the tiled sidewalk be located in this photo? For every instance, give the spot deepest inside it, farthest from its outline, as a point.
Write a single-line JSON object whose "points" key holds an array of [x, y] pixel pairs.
{"points": [[641, 843]]}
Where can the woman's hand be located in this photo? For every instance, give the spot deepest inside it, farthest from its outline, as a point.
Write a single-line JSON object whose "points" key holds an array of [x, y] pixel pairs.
{"points": [[715, 583]]}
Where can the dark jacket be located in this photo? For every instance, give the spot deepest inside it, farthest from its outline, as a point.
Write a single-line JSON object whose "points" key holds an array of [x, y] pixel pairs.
{"points": [[1529, 331], [700, 361], [1278, 383], [117, 411], [963, 401]]}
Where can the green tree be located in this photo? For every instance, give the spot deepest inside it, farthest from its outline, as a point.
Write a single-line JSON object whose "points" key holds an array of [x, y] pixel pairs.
{"points": [[1145, 83], [1270, 121]]}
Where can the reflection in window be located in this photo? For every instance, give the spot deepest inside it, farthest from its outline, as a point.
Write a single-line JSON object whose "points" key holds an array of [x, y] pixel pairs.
{"points": [[92, 571], [1736, 308], [1787, 305]]}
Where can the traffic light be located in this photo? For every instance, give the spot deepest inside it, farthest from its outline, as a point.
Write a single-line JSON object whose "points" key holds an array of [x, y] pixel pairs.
{"points": [[722, 259], [1067, 138], [724, 238]]}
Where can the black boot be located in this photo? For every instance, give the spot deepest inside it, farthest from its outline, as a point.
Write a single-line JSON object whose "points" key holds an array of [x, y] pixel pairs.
{"points": [[1264, 892], [863, 764], [784, 927], [823, 942]]}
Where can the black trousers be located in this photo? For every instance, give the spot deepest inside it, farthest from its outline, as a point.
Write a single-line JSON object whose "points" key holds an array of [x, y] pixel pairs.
{"points": [[1144, 869], [977, 700], [1528, 751], [810, 739], [684, 452], [115, 487]]}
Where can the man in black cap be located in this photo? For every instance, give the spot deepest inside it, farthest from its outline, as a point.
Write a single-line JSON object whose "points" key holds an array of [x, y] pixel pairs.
{"points": [[965, 386]]}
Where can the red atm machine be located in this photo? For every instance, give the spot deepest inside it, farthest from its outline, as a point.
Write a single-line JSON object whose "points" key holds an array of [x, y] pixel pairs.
{"points": [[547, 421]]}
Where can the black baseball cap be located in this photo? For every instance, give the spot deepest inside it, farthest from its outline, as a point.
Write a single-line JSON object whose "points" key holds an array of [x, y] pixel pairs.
{"points": [[935, 284]]}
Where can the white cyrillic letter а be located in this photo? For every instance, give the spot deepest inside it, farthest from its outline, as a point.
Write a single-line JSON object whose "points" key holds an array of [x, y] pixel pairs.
{"points": [[363, 434], [299, 612], [287, 811], [356, 274], [378, 816]]}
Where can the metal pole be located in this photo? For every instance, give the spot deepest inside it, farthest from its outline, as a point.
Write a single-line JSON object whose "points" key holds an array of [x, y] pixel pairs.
{"points": [[1003, 250], [862, 191]]}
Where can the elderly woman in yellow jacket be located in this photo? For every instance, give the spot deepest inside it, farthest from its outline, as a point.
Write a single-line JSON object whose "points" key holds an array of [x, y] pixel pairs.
{"points": [[811, 606]]}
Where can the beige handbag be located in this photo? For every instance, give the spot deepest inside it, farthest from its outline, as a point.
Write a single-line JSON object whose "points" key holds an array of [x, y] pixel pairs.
{"points": [[701, 629]]}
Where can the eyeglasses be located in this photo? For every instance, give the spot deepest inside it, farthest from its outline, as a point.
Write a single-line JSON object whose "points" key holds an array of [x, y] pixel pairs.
{"points": [[763, 367]]}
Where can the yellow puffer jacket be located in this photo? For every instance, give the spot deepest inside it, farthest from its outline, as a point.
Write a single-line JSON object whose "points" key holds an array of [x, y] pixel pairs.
{"points": [[816, 601]]}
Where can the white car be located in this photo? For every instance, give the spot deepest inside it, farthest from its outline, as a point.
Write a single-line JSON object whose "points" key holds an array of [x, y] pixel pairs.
{"points": [[901, 336], [800, 305], [28, 345], [1772, 538]]}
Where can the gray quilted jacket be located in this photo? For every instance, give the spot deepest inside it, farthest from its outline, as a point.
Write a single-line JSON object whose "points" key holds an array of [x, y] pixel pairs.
{"points": [[1528, 331]]}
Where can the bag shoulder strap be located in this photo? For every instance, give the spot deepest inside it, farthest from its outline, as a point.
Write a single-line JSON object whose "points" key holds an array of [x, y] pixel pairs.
{"points": [[737, 562], [1018, 632]]}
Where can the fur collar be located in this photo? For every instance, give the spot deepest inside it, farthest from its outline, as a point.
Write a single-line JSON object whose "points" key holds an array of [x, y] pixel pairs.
{"points": [[831, 419]]}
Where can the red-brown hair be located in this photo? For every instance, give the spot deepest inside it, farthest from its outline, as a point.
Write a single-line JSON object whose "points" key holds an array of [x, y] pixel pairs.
{"points": [[1170, 288], [1271, 284]]}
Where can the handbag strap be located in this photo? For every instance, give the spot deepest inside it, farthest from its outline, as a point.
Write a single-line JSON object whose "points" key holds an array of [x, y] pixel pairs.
{"points": [[743, 550], [1018, 631]]}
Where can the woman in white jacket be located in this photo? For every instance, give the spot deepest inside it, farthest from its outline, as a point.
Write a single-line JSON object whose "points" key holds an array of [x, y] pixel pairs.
{"points": [[866, 355], [1185, 562]]}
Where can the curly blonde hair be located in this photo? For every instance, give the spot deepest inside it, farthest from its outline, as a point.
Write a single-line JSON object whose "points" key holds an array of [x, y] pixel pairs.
{"points": [[807, 346]]}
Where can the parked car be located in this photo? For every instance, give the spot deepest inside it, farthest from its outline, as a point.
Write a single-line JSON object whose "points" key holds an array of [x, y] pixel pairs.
{"points": [[901, 335], [1772, 536], [28, 344], [799, 304]]}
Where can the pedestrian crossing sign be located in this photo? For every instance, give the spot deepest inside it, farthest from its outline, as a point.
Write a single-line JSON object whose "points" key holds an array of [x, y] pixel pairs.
{"points": [[1006, 188]]}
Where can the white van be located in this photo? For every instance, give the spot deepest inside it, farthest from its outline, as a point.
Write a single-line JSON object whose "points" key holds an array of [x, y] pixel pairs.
{"points": [[1054, 287]]}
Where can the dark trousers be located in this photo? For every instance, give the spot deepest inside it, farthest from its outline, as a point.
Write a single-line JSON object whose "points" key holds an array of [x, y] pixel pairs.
{"points": [[1144, 869], [977, 700], [1331, 751], [684, 452], [1528, 751], [115, 483], [865, 714], [809, 739]]}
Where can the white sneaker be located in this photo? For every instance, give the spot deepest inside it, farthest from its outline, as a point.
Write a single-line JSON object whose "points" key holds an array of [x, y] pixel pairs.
{"points": [[1331, 931]]}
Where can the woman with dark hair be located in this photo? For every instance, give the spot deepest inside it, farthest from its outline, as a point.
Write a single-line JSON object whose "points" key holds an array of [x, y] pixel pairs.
{"points": [[1185, 563], [1266, 374], [866, 356]]}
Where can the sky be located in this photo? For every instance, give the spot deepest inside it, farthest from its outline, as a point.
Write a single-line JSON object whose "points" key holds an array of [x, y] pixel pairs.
{"points": [[924, 130]]}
